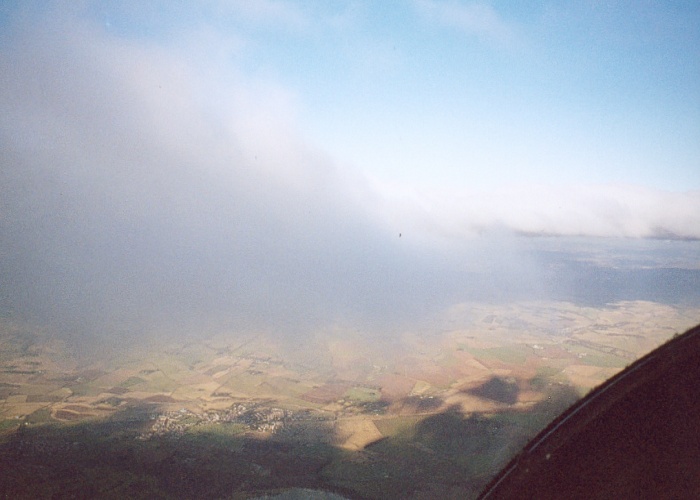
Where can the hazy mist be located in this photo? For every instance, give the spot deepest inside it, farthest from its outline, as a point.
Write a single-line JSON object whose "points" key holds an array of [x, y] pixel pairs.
{"points": [[145, 190]]}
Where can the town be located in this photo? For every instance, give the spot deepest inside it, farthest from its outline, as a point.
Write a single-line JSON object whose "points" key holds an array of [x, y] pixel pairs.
{"points": [[254, 417]]}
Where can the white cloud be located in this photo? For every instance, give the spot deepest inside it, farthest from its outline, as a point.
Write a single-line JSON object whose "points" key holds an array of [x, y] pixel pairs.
{"points": [[473, 18], [568, 210], [145, 186]]}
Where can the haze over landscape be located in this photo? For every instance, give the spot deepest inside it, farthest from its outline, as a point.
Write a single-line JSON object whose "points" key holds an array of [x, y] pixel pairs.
{"points": [[256, 163], [355, 184]]}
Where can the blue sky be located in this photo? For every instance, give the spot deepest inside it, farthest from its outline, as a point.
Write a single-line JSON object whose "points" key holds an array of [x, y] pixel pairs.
{"points": [[472, 94]]}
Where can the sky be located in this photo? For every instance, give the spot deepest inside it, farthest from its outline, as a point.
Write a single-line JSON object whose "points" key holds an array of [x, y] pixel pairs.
{"points": [[472, 94], [315, 163]]}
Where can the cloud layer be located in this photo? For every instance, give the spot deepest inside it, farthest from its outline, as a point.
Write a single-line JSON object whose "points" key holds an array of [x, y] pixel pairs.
{"points": [[148, 189], [144, 188], [545, 210]]}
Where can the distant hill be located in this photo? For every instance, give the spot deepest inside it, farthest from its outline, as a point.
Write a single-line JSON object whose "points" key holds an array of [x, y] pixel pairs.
{"points": [[635, 436]]}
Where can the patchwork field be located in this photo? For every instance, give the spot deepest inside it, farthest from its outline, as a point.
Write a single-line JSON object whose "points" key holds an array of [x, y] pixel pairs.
{"points": [[461, 401]]}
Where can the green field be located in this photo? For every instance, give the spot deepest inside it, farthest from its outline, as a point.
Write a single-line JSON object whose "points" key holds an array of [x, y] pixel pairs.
{"points": [[507, 354], [363, 394]]}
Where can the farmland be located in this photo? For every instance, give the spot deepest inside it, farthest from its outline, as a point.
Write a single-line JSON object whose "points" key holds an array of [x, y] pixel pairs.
{"points": [[406, 420]]}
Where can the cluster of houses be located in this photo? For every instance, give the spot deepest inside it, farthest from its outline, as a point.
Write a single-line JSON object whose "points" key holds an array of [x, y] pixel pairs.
{"points": [[253, 416]]}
